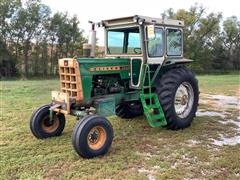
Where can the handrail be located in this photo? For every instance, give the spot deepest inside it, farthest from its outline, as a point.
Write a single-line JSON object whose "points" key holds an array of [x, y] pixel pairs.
{"points": [[149, 82]]}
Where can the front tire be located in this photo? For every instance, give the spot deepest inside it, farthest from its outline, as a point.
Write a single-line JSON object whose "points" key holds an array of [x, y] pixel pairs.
{"points": [[178, 94], [41, 126], [92, 136]]}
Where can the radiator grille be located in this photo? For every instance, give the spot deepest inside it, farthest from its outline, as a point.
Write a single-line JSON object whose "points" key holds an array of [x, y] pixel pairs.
{"points": [[70, 78]]}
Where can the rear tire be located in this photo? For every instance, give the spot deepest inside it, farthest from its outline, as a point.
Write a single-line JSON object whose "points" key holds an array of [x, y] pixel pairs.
{"points": [[129, 110], [40, 125], [92, 136], [178, 94]]}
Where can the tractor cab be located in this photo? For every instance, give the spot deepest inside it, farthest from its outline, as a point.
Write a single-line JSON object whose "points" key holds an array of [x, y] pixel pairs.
{"points": [[144, 40], [151, 38]]}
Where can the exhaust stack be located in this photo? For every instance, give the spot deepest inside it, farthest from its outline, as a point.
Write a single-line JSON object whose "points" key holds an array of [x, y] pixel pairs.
{"points": [[92, 39], [89, 48]]}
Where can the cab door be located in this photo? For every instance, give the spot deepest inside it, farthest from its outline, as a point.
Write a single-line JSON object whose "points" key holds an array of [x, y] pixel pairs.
{"points": [[155, 47]]}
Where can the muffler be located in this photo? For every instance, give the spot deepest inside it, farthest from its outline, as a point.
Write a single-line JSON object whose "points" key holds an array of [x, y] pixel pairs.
{"points": [[90, 47]]}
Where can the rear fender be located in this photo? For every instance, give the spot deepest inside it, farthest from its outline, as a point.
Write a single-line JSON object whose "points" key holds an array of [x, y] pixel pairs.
{"points": [[172, 61]]}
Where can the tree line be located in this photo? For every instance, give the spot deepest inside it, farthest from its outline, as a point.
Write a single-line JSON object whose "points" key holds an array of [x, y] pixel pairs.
{"points": [[32, 39], [212, 42]]}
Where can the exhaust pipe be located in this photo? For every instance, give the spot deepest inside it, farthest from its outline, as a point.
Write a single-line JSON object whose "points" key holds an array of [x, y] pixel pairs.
{"points": [[92, 39], [90, 47], [87, 50]]}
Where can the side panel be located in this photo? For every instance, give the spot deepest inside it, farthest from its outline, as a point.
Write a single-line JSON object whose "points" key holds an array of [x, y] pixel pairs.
{"points": [[90, 67]]}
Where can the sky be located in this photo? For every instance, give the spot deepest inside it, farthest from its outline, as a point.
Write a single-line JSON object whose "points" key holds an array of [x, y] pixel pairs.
{"points": [[97, 10]]}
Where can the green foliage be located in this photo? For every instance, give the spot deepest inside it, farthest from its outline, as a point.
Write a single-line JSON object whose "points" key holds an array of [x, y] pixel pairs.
{"points": [[34, 39], [231, 41], [205, 42], [7, 62]]}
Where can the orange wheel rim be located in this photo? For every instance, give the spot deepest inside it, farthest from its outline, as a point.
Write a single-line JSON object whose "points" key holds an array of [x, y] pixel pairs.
{"points": [[96, 137], [49, 127]]}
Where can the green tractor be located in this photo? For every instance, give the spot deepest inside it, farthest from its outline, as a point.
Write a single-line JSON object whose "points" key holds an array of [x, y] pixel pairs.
{"points": [[143, 72]]}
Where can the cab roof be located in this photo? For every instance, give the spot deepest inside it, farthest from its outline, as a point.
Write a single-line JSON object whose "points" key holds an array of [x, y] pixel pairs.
{"points": [[138, 19]]}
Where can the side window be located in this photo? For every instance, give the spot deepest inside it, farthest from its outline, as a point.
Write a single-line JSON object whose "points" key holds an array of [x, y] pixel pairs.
{"points": [[155, 45], [174, 42]]}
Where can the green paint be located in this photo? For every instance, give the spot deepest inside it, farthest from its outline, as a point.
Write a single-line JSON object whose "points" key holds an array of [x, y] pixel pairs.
{"points": [[87, 63], [87, 87], [151, 105], [105, 106]]}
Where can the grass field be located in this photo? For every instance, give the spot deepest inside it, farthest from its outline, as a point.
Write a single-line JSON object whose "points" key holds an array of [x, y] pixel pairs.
{"points": [[138, 151]]}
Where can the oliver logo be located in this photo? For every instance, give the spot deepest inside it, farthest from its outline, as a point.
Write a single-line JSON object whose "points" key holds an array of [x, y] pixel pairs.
{"points": [[109, 68]]}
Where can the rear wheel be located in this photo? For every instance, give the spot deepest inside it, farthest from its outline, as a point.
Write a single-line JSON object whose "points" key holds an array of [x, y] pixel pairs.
{"points": [[178, 94], [92, 136], [42, 127], [129, 109]]}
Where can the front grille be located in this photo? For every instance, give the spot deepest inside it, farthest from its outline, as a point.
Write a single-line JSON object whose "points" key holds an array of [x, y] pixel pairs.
{"points": [[70, 78]]}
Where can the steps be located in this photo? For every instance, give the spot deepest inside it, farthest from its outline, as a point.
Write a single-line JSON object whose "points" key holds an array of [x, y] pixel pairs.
{"points": [[151, 105], [153, 110]]}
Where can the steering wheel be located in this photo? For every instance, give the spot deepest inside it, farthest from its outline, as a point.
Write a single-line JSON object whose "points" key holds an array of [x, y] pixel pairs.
{"points": [[137, 50]]}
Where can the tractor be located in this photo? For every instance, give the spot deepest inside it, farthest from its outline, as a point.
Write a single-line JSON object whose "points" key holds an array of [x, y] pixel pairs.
{"points": [[143, 72]]}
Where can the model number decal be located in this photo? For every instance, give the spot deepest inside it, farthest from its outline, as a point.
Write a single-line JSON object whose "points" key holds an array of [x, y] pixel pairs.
{"points": [[109, 68]]}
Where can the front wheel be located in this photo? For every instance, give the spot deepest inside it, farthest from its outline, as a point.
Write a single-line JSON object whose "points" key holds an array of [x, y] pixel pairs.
{"points": [[92, 136], [41, 125], [178, 93]]}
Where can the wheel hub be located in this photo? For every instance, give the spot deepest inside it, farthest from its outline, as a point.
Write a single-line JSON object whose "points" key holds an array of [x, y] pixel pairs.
{"points": [[184, 100], [48, 125], [96, 137], [93, 136]]}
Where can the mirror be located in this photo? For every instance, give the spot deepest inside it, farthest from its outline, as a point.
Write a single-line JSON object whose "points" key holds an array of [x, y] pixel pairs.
{"points": [[151, 32]]}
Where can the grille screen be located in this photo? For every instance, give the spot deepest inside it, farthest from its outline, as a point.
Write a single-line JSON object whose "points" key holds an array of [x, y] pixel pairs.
{"points": [[70, 78]]}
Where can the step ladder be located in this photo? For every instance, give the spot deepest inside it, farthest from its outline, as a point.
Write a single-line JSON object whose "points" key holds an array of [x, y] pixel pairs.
{"points": [[151, 105]]}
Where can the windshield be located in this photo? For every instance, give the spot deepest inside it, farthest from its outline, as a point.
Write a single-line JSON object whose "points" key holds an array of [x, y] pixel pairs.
{"points": [[123, 41]]}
